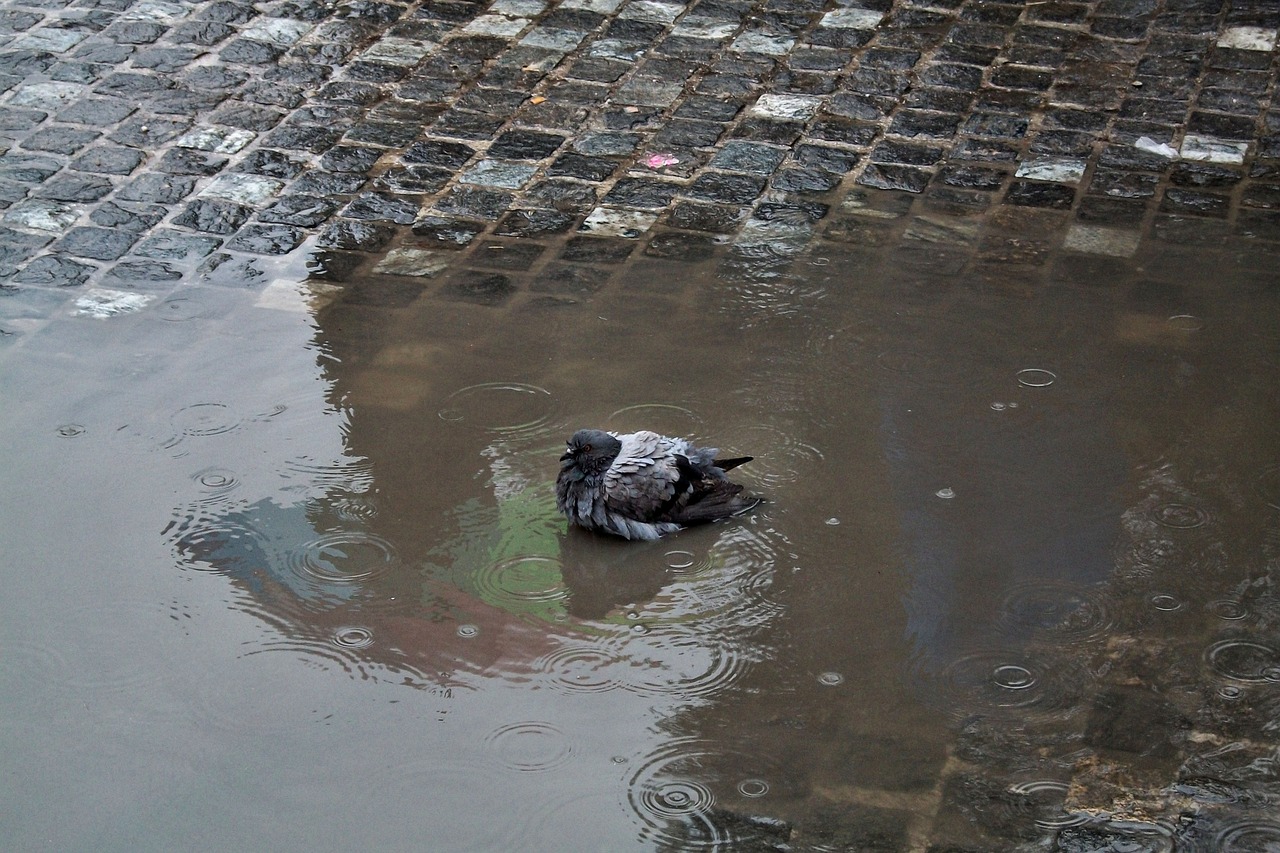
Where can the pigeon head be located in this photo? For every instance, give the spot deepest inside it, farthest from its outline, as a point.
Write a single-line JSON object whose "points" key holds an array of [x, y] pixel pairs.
{"points": [[591, 451]]}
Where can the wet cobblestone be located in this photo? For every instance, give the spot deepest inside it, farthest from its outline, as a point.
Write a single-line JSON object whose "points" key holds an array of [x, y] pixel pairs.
{"points": [[528, 150]]}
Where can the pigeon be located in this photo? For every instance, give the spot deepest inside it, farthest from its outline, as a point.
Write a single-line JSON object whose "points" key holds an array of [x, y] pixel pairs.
{"points": [[642, 485]]}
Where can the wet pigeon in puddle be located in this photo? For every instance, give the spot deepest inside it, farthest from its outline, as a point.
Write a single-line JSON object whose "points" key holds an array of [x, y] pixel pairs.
{"points": [[642, 485]]}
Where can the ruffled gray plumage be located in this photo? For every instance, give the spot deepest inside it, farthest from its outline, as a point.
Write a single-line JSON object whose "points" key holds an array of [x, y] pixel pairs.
{"points": [[643, 485]]}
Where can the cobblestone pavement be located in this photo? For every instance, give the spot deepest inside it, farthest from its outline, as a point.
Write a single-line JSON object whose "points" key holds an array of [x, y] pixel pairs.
{"points": [[147, 143]]}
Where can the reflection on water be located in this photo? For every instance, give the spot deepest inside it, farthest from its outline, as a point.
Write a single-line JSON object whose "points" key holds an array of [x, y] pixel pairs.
{"points": [[1011, 587]]}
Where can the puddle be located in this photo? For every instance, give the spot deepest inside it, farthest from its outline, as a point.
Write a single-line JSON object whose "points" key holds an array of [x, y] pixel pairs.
{"points": [[287, 548]]}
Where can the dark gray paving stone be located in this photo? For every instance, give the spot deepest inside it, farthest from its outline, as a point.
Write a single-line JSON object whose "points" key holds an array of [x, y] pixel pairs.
{"points": [[707, 108], [350, 158], [1037, 194], [997, 126], [829, 159], [802, 180], [266, 239], [497, 254], [101, 244], [132, 86], [1119, 183], [479, 288], [11, 192], [213, 216], [699, 216], [725, 188], [17, 118], [382, 207], [441, 153], [245, 51], [320, 183], [136, 218], [157, 188], [893, 151], [972, 177], [203, 33], [305, 211], [643, 193], [167, 60], [384, 133], [939, 100], [273, 164], [60, 139], [891, 176], [792, 212], [306, 138], [55, 271], [465, 125], [176, 245], [535, 222], [28, 168], [570, 279], [1192, 202], [475, 202], [413, 180], [581, 166], [135, 273], [748, 157], [108, 160], [189, 161], [609, 144], [1104, 210], [447, 232], [149, 131], [355, 235], [96, 111], [562, 194], [597, 250], [74, 187], [272, 94], [525, 145], [845, 131], [677, 246], [765, 130], [1204, 175], [924, 125]]}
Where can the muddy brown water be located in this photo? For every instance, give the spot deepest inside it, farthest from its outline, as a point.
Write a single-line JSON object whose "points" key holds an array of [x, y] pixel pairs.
{"points": [[283, 568]]}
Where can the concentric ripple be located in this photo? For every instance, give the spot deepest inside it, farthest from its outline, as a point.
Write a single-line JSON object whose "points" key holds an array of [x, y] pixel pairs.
{"points": [[179, 308], [780, 456], [349, 473], [509, 409], [520, 581], [1008, 681], [530, 747], [204, 419], [582, 669], [665, 418], [672, 801], [1252, 836], [1244, 660], [680, 661], [1035, 377], [1179, 516], [1042, 801], [343, 557]]}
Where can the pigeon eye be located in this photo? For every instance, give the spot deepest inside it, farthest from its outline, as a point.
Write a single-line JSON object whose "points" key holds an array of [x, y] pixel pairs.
{"points": [[586, 448]]}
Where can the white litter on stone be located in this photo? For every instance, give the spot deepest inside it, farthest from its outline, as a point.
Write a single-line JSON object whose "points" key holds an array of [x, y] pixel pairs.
{"points": [[1060, 170], [1164, 149], [101, 303], [611, 222], [412, 262]]}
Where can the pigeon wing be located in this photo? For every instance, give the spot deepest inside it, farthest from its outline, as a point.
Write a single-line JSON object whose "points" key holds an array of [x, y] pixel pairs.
{"points": [[646, 478]]}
